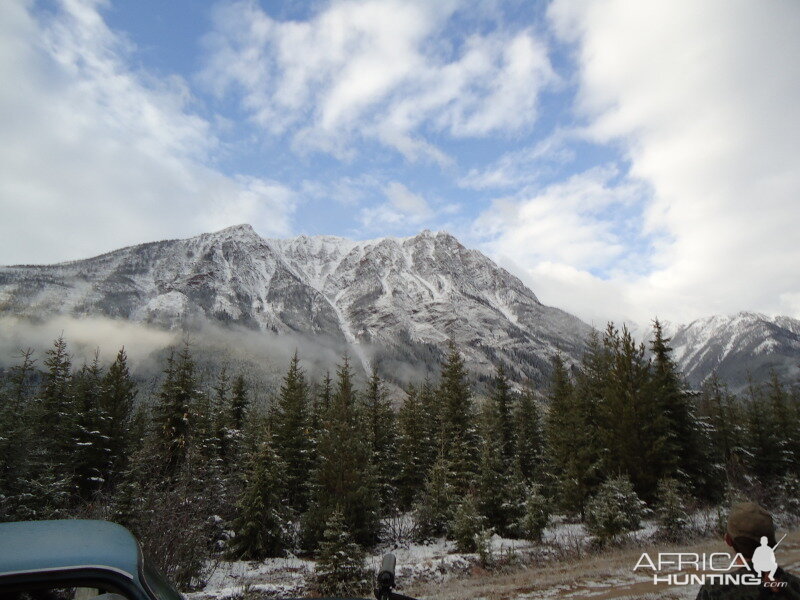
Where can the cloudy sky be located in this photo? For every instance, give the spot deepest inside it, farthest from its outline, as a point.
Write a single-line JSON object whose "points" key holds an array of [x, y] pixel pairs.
{"points": [[626, 158]]}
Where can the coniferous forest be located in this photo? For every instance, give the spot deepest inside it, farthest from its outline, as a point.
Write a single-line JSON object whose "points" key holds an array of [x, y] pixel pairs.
{"points": [[199, 472]]}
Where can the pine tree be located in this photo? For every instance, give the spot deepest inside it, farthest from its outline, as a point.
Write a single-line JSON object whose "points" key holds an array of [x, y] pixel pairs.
{"points": [[529, 438], [118, 392], [431, 423], [90, 457], [382, 437], [261, 522], [684, 454], [501, 424], [291, 429], [633, 418], [673, 523], [436, 505], [173, 412], [340, 568], [239, 405], [536, 517], [55, 418], [458, 434], [764, 450], [726, 422], [615, 509], [411, 449], [343, 476], [468, 525], [572, 451], [16, 441]]}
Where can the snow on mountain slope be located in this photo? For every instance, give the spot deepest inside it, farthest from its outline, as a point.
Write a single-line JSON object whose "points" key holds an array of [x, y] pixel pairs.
{"points": [[394, 302], [737, 347]]}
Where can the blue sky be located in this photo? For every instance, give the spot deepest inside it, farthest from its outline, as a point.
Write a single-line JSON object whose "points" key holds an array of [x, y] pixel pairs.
{"points": [[626, 158]]}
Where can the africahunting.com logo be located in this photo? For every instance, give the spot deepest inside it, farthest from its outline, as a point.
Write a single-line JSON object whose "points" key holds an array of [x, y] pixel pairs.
{"points": [[717, 568]]}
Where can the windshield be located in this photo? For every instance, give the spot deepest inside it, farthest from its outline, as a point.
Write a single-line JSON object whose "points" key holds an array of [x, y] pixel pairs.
{"points": [[158, 584]]}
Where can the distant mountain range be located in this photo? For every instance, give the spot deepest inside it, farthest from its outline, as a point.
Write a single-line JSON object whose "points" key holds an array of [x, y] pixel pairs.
{"points": [[392, 303], [738, 347]]}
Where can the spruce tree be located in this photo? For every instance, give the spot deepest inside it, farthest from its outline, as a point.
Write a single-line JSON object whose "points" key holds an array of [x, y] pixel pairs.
{"points": [[572, 448], [501, 424], [343, 476], [635, 423], [536, 517], [529, 438], [340, 568], [382, 437], [90, 457], [614, 510], [16, 440], [173, 413], [411, 449], [239, 405], [291, 429], [118, 392], [458, 431], [261, 522], [468, 525], [436, 505], [55, 428]]}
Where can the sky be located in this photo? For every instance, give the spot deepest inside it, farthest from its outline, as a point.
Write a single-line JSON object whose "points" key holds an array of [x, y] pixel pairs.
{"points": [[627, 159]]}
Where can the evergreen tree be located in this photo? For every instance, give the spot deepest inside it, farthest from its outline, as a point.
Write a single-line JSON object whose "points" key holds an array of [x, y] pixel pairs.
{"points": [[173, 412], [726, 422], [431, 423], [239, 405], [633, 418], [500, 422], [340, 568], [291, 429], [261, 522], [784, 422], [468, 525], [16, 441], [411, 449], [684, 454], [615, 509], [529, 438], [673, 523], [536, 517], [436, 505], [90, 457], [764, 449], [382, 437], [54, 430], [343, 476], [118, 391], [458, 432], [572, 448]]}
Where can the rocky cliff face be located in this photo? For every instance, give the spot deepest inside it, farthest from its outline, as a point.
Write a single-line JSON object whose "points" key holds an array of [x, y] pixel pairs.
{"points": [[394, 302]]}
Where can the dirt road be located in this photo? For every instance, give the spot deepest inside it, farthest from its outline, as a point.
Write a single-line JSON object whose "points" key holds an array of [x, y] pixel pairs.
{"points": [[601, 577]]}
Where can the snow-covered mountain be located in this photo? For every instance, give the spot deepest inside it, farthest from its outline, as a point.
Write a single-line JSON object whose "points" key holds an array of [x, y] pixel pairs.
{"points": [[738, 346], [393, 302]]}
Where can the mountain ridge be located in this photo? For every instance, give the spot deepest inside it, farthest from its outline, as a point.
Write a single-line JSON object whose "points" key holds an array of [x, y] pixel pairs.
{"points": [[389, 299]]}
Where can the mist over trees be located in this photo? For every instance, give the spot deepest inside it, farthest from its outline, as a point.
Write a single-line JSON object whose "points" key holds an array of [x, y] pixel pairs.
{"points": [[196, 469]]}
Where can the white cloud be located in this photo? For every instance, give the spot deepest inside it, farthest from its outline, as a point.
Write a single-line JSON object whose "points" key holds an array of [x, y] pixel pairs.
{"points": [[95, 155], [703, 97], [402, 209], [376, 70], [575, 223], [523, 167]]}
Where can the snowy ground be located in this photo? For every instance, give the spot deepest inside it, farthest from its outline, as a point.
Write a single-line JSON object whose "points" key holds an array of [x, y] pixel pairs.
{"points": [[562, 566]]}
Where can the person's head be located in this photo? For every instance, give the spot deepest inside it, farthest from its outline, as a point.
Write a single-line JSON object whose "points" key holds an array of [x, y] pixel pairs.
{"points": [[748, 526]]}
